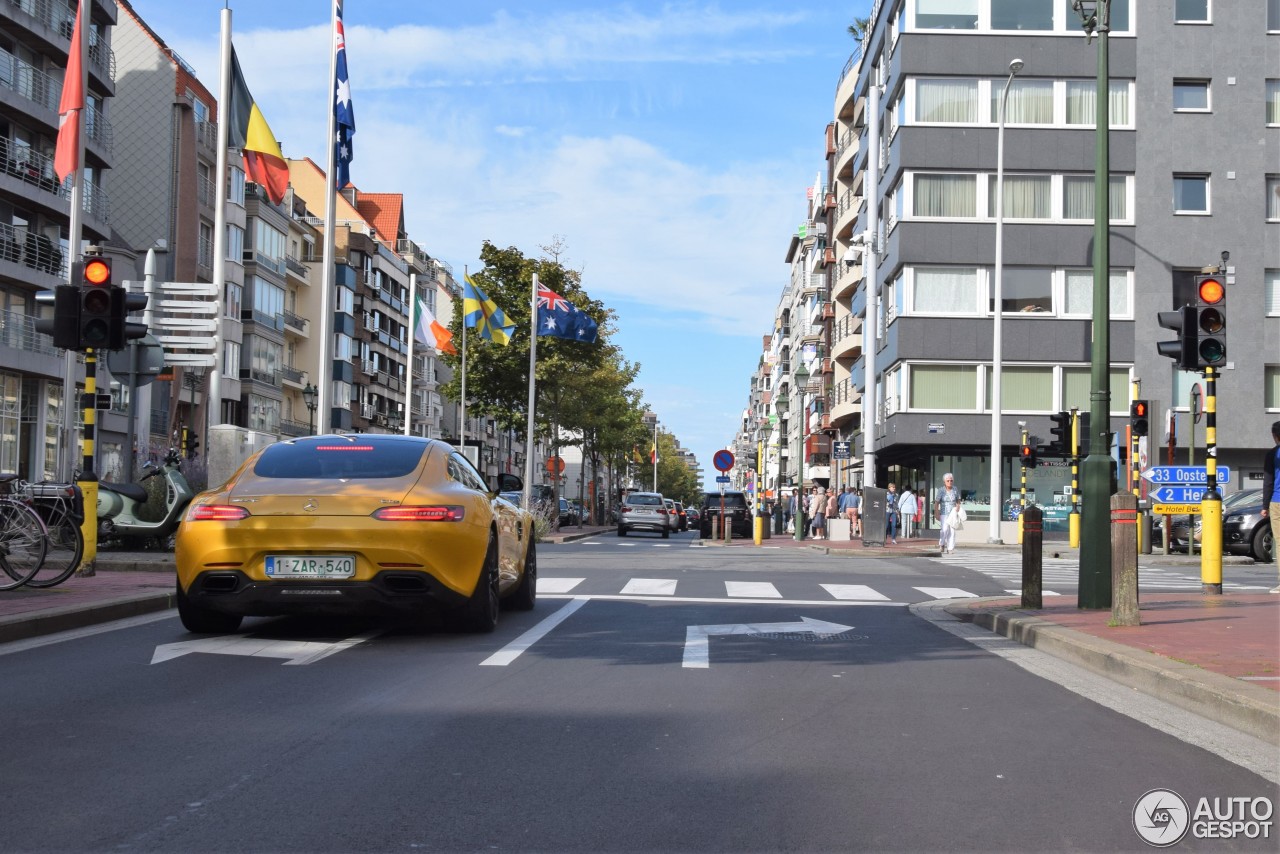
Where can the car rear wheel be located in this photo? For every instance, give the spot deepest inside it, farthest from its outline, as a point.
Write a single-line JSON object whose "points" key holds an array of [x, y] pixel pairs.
{"points": [[1264, 544], [204, 620], [480, 614], [622, 532], [527, 592]]}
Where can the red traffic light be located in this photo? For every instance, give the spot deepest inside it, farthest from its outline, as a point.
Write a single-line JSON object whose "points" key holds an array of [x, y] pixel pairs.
{"points": [[1139, 409], [1211, 290], [97, 271]]}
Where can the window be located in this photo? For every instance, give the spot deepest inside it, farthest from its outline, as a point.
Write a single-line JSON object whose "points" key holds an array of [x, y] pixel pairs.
{"points": [[1076, 383], [1030, 102], [231, 357], [1271, 387], [232, 296], [1191, 194], [1190, 96], [1022, 15], [1082, 101], [947, 101], [947, 14], [1026, 388], [1271, 293], [269, 241], [265, 359], [944, 290], [235, 243], [1077, 197], [1183, 382], [235, 185], [951, 196], [1025, 196], [944, 387], [1077, 294], [1025, 289], [1273, 15], [1191, 11], [1273, 101], [1273, 197]]}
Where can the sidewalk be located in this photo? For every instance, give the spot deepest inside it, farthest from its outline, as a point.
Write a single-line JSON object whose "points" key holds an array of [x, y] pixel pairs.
{"points": [[1218, 656]]}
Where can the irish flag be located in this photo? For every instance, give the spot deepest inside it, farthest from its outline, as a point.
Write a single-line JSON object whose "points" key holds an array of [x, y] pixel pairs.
{"points": [[429, 331], [263, 163]]}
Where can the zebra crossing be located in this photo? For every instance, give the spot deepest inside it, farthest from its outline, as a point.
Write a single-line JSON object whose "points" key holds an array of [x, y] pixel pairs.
{"points": [[1005, 568], [741, 591]]}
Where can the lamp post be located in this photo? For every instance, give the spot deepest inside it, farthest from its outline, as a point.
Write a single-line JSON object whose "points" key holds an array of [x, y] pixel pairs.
{"points": [[1096, 471], [309, 397], [801, 380], [997, 354]]}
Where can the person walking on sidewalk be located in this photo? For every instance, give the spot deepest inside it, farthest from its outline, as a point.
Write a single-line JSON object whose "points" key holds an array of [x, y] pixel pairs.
{"points": [[848, 508], [908, 507], [947, 499], [1271, 496], [818, 513]]}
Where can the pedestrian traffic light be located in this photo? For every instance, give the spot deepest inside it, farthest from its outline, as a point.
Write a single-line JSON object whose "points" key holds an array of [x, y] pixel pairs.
{"points": [[1030, 457], [1182, 351], [64, 325], [94, 278], [123, 330], [1211, 322], [1060, 444], [1139, 419]]}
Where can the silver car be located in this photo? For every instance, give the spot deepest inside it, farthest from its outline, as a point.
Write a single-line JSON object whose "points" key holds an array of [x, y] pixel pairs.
{"points": [[644, 511]]}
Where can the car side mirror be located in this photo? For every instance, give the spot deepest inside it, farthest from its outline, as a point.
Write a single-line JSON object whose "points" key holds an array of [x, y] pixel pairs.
{"points": [[509, 483]]}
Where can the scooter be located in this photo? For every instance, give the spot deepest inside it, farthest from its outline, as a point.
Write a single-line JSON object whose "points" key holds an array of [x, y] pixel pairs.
{"points": [[119, 504]]}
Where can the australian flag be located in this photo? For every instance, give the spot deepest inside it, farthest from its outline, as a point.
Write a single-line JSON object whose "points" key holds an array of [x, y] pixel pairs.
{"points": [[345, 116], [560, 318]]}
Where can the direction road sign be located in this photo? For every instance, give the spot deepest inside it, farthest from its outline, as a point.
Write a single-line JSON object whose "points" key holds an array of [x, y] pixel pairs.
{"points": [[1176, 494], [723, 478], [723, 460], [1184, 475], [1175, 509]]}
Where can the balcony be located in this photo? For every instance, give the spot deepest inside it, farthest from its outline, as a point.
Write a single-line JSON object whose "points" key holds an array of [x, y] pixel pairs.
{"points": [[18, 332], [290, 374], [370, 367], [294, 321], [294, 429], [36, 251], [293, 265], [258, 375], [846, 338]]}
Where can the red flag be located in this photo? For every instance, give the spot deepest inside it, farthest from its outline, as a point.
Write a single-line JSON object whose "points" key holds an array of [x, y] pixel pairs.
{"points": [[66, 157]]}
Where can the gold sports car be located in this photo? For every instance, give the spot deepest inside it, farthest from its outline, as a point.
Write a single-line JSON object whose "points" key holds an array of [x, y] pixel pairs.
{"points": [[355, 524]]}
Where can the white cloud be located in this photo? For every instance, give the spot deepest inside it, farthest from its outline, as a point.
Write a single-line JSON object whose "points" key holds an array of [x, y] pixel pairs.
{"points": [[507, 130]]}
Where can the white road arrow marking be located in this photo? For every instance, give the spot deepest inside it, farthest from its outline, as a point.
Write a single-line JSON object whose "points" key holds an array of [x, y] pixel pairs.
{"points": [[294, 652], [697, 647]]}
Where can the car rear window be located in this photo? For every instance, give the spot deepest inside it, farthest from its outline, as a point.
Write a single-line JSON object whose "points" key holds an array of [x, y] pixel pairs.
{"points": [[340, 458], [731, 499], [650, 500]]}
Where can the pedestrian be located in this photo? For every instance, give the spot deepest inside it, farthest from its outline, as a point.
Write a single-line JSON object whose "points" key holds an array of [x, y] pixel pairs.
{"points": [[891, 514], [818, 513], [849, 509], [788, 512], [948, 499], [1271, 495], [908, 507], [833, 507]]}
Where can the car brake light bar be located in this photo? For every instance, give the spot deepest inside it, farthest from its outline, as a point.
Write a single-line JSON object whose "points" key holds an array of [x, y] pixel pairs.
{"points": [[217, 513], [432, 513]]}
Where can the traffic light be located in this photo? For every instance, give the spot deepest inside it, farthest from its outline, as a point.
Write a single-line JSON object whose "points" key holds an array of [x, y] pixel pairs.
{"points": [[1182, 351], [1139, 419], [64, 326], [1211, 322], [193, 444], [1060, 445], [122, 329], [94, 321], [1030, 457]]}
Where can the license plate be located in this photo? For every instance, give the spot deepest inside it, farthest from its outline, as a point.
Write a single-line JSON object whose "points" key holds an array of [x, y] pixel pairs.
{"points": [[311, 566]]}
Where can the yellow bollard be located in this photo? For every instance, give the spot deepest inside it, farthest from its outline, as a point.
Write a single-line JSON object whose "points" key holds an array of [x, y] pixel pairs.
{"points": [[757, 531], [1210, 545], [89, 527], [1073, 530]]}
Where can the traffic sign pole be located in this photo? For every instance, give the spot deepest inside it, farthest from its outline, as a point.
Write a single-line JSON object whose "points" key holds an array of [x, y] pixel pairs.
{"points": [[1211, 505]]}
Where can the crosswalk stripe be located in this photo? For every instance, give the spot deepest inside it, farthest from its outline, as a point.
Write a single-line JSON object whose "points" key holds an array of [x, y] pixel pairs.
{"points": [[751, 590], [650, 587], [854, 592], [558, 585], [1042, 593], [946, 592]]}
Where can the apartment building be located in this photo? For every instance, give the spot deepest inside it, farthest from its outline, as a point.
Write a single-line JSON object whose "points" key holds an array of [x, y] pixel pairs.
{"points": [[1194, 105], [35, 38]]}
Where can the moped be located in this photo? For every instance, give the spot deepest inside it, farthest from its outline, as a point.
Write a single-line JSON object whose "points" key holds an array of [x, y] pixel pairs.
{"points": [[120, 503]]}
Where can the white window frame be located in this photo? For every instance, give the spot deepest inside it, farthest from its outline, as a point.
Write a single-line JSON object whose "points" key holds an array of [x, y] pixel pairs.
{"points": [[1189, 82], [1271, 292], [1207, 19], [1208, 194], [1272, 93], [1272, 200]]}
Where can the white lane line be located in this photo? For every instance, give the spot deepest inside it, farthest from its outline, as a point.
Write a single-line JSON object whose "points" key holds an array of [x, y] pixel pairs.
{"points": [[1261, 678], [615, 597], [650, 587], [854, 592], [512, 651], [946, 593], [1042, 593], [751, 590], [558, 585]]}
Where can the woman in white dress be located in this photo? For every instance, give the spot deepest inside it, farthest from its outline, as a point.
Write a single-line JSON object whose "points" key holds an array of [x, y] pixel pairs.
{"points": [[948, 498]]}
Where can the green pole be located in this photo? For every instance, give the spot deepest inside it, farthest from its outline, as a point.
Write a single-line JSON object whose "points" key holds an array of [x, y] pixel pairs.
{"points": [[1098, 470]]}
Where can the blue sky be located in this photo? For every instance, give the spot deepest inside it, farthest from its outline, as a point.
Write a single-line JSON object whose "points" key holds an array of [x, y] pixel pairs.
{"points": [[668, 145]]}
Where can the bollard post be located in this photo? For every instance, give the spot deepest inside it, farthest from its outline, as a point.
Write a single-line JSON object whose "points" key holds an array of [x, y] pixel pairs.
{"points": [[1032, 557], [715, 528], [1124, 560]]}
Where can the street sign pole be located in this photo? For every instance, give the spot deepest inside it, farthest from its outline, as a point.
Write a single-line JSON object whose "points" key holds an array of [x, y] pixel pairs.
{"points": [[1211, 504]]}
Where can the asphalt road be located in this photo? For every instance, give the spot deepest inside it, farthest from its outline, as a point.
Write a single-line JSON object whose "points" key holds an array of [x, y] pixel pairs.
{"points": [[807, 709]]}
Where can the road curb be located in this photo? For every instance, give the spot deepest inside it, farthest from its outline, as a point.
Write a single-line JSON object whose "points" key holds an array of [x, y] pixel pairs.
{"points": [[23, 626], [1222, 699]]}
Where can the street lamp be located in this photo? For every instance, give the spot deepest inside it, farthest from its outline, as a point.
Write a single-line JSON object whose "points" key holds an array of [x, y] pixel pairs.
{"points": [[309, 397], [1094, 587], [997, 356], [801, 379]]}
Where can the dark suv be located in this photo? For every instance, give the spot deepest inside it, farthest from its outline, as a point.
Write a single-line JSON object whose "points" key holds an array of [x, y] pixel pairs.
{"points": [[735, 508]]}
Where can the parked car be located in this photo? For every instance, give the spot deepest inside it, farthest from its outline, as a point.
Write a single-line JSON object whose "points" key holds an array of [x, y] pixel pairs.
{"points": [[1244, 530], [568, 513], [673, 518], [644, 511], [692, 517], [355, 524], [735, 508]]}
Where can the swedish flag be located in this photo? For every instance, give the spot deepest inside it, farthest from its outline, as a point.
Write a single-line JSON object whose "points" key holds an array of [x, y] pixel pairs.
{"points": [[483, 314]]}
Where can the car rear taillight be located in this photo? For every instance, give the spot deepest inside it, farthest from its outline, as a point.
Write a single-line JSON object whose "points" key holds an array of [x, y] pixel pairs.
{"points": [[217, 513], [626, 509], [433, 513], [663, 511]]}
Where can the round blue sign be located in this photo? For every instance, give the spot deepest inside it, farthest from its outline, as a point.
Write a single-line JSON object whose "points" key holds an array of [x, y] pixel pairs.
{"points": [[723, 460]]}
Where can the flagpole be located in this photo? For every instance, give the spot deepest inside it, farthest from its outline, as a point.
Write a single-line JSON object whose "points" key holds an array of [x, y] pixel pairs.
{"points": [[533, 380], [462, 416], [414, 322], [213, 403], [324, 388], [75, 232], [655, 456]]}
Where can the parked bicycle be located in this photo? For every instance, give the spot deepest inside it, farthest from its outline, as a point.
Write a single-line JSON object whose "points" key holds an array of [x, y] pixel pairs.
{"points": [[24, 539], [61, 508]]}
